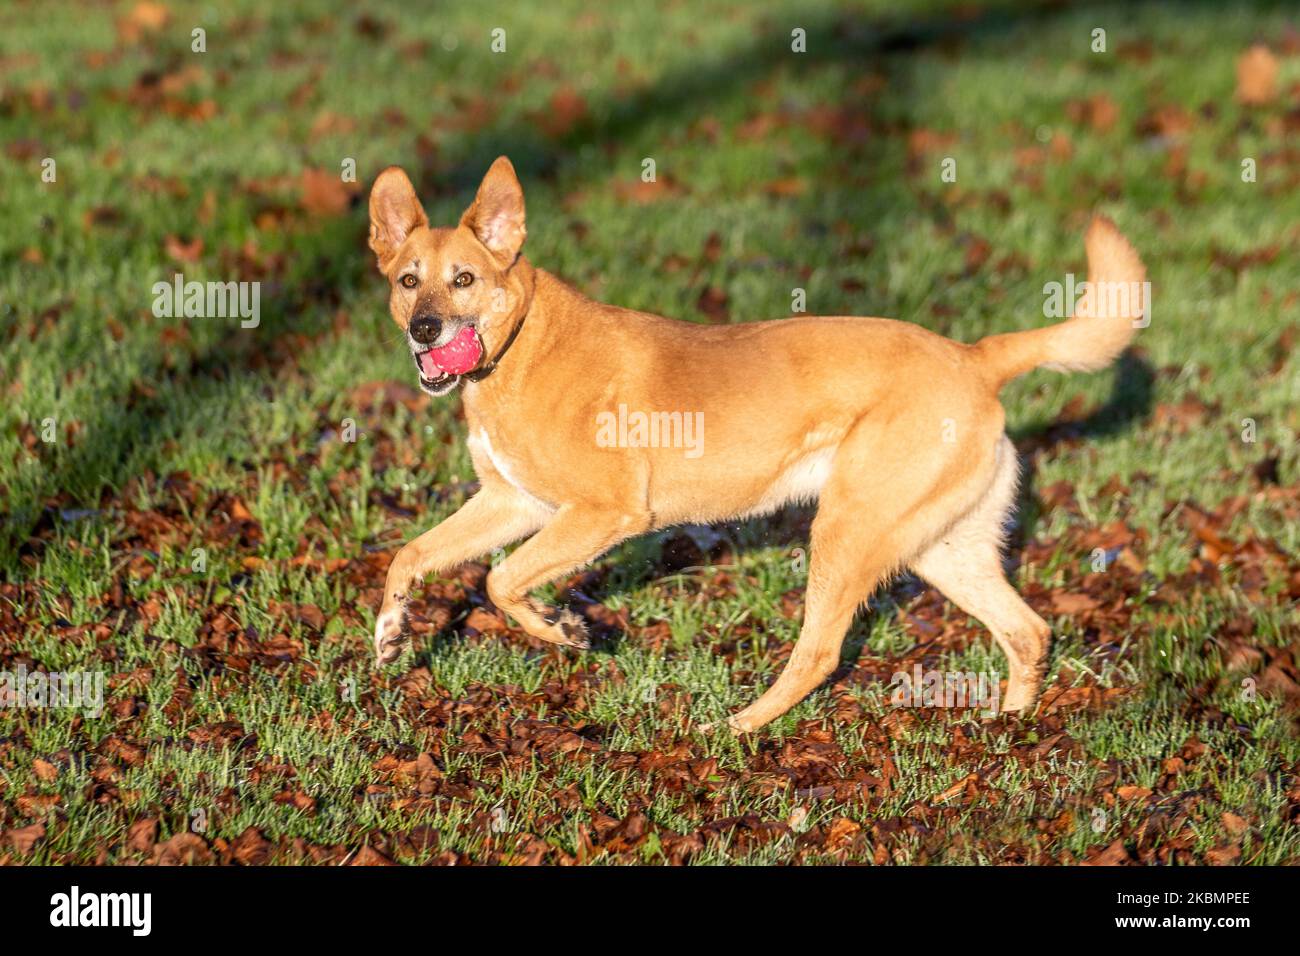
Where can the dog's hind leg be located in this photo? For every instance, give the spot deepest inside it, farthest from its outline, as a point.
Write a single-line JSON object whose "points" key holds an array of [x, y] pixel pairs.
{"points": [[879, 507], [965, 564]]}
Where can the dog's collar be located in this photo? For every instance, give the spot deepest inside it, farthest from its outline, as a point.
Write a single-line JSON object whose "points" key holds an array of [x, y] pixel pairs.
{"points": [[481, 373]]}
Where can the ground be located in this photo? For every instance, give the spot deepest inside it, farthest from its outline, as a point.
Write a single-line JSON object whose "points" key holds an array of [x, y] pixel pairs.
{"points": [[204, 512]]}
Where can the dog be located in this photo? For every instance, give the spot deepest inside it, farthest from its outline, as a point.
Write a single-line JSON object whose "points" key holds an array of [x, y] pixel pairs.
{"points": [[895, 431]]}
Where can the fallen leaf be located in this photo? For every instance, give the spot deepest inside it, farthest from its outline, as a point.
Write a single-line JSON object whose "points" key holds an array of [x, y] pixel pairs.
{"points": [[1114, 855], [713, 303], [324, 193], [1257, 76], [1133, 793], [1100, 112], [1234, 824], [251, 848], [840, 830], [184, 849], [23, 839], [567, 108], [1073, 602], [182, 250], [1223, 855], [144, 18], [142, 835], [369, 856]]}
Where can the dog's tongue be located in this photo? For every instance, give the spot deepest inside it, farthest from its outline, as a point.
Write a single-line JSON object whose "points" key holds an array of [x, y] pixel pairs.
{"points": [[455, 358]]}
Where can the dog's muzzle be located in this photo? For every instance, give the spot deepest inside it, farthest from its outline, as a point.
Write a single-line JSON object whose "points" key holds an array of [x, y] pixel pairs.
{"points": [[443, 351]]}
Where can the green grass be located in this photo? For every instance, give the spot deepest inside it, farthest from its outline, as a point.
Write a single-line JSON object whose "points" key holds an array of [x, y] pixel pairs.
{"points": [[230, 705]]}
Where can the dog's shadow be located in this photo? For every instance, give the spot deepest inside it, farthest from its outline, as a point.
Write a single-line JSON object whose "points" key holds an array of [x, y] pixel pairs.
{"points": [[1130, 401]]}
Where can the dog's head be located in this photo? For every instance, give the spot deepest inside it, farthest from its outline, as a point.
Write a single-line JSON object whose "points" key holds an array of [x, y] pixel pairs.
{"points": [[456, 292]]}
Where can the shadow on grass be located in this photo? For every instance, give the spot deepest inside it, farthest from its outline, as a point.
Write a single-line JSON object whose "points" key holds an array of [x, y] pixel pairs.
{"points": [[1131, 400]]}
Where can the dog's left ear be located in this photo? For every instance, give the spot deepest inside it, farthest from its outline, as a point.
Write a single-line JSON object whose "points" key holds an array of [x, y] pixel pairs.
{"points": [[496, 216]]}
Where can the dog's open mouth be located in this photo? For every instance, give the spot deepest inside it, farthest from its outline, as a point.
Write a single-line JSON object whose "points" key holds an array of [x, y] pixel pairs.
{"points": [[441, 367]]}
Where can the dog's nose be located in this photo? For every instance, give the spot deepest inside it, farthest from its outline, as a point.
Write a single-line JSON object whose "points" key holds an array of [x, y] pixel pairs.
{"points": [[424, 329]]}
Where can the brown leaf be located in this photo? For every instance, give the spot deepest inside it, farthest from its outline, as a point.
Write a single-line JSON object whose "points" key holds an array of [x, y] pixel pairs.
{"points": [[1223, 856], [531, 850], [1274, 680], [44, 770], [978, 251], [298, 799], [566, 110], [1073, 602], [142, 835], [485, 622], [101, 216], [789, 186], [182, 250], [922, 141], [1114, 855], [641, 193], [841, 829], [184, 849], [369, 856], [312, 616], [324, 193], [144, 18], [1257, 76], [957, 788], [1169, 121], [713, 303], [37, 804], [24, 839], [1100, 112], [1133, 793], [251, 848], [1234, 824]]}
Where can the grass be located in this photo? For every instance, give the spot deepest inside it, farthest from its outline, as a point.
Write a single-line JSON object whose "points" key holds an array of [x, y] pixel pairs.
{"points": [[199, 531]]}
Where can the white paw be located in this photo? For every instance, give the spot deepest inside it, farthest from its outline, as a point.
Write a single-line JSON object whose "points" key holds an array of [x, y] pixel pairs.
{"points": [[388, 636]]}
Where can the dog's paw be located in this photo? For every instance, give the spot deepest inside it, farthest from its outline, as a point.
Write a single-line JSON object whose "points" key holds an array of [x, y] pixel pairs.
{"points": [[566, 628], [389, 639], [1021, 698], [736, 723], [740, 724], [1024, 688]]}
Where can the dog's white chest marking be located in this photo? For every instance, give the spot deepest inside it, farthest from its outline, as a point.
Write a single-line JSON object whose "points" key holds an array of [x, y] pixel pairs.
{"points": [[483, 443]]}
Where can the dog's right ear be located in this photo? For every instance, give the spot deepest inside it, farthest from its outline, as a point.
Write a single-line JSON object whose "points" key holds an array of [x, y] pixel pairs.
{"points": [[395, 212]]}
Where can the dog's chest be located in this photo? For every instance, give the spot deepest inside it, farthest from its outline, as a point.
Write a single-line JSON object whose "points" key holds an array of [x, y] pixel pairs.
{"points": [[480, 446]]}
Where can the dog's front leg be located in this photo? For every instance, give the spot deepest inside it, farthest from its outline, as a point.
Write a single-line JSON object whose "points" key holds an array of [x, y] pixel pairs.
{"points": [[574, 537], [496, 516]]}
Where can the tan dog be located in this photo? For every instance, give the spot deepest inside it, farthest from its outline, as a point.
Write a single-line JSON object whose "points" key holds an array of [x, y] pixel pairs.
{"points": [[570, 404]]}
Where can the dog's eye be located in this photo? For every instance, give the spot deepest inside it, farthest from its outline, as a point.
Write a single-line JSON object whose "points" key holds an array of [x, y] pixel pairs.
{"points": [[409, 281], [463, 279]]}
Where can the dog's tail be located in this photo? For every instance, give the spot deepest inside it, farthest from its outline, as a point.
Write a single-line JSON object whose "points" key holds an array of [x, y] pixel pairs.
{"points": [[1110, 311]]}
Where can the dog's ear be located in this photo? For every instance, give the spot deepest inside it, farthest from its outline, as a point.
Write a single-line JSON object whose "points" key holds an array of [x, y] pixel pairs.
{"points": [[496, 216], [395, 212]]}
